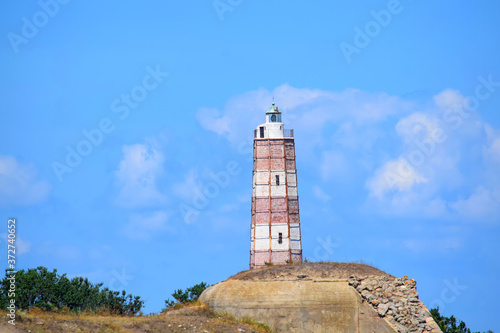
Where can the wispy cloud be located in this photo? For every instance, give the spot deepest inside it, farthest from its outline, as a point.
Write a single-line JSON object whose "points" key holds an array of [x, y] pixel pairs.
{"points": [[144, 226], [433, 245], [320, 194], [311, 108], [394, 175], [482, 205], [414, 157], [445, 167], [22, 245], [492, 147], [187, 188], [418, 127], [449, 99], [19, 184], [137, 176]]}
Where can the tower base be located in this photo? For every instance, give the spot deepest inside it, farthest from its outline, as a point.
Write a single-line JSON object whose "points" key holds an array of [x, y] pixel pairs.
{"points": [[263, 258]]}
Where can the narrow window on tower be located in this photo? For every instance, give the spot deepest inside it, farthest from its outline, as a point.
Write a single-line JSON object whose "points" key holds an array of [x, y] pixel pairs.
{"points": [[280, 238], [277, 179], [261, 132]]}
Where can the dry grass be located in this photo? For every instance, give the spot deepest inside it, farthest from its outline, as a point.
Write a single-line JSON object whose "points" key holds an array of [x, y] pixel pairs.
{"points": [[191, 318], [249, 321], [313, 270]]}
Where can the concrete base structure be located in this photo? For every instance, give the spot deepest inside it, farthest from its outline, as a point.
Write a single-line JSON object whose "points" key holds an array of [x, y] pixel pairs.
{"points": [[297, 306], [323, 297]]}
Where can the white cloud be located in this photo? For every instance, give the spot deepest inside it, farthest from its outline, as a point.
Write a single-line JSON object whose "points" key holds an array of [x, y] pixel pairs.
{"points": [[197, 192], [186, 189], [311, 108], [414, 204], [22, 246], [143, 226], [137, 176], [394, 175], [419, 127], [374, 107], [413, 157], [212, 120], [433, 245], [320, 194], [192, 201], [450, 99], [492, 149], [19, 185], [430, 154], [355, 136], [482, 206]]}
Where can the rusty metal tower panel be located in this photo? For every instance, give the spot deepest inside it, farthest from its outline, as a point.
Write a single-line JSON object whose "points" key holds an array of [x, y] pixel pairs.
{"points": [[275, 236]]}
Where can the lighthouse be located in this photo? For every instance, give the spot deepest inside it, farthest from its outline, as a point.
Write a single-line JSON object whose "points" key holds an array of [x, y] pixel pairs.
{"points": [[275, 224]]}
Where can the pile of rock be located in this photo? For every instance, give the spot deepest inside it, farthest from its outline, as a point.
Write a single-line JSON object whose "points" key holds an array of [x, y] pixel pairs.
{"points": [[396, 300]]}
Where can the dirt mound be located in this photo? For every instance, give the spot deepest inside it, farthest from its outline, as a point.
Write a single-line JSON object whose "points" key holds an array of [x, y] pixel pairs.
{"points": [[310, 297], [195, 319], [316, 270]]}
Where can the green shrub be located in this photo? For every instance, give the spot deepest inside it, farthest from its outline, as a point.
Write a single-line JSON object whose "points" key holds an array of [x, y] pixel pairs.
{"points": [[450, 324], [50, 291], [189, 295]]}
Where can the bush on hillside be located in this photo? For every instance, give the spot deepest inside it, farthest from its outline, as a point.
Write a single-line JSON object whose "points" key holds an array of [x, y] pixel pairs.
{"points": [[54, 292], [450, 324], [189, 295]]}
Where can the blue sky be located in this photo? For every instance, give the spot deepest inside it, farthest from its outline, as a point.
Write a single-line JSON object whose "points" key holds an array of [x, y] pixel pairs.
{"points": [[127, 128]]}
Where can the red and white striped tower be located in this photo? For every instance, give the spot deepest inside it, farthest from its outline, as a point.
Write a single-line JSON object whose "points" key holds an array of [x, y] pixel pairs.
{"points": [[275, 227]]}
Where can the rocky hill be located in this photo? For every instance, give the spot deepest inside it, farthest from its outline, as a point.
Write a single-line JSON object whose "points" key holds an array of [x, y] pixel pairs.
{"points": [[323, 297]]}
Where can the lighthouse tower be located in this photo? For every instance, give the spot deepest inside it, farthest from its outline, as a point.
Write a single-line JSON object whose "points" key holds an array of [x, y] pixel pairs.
{"points": [[275, 227]]}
